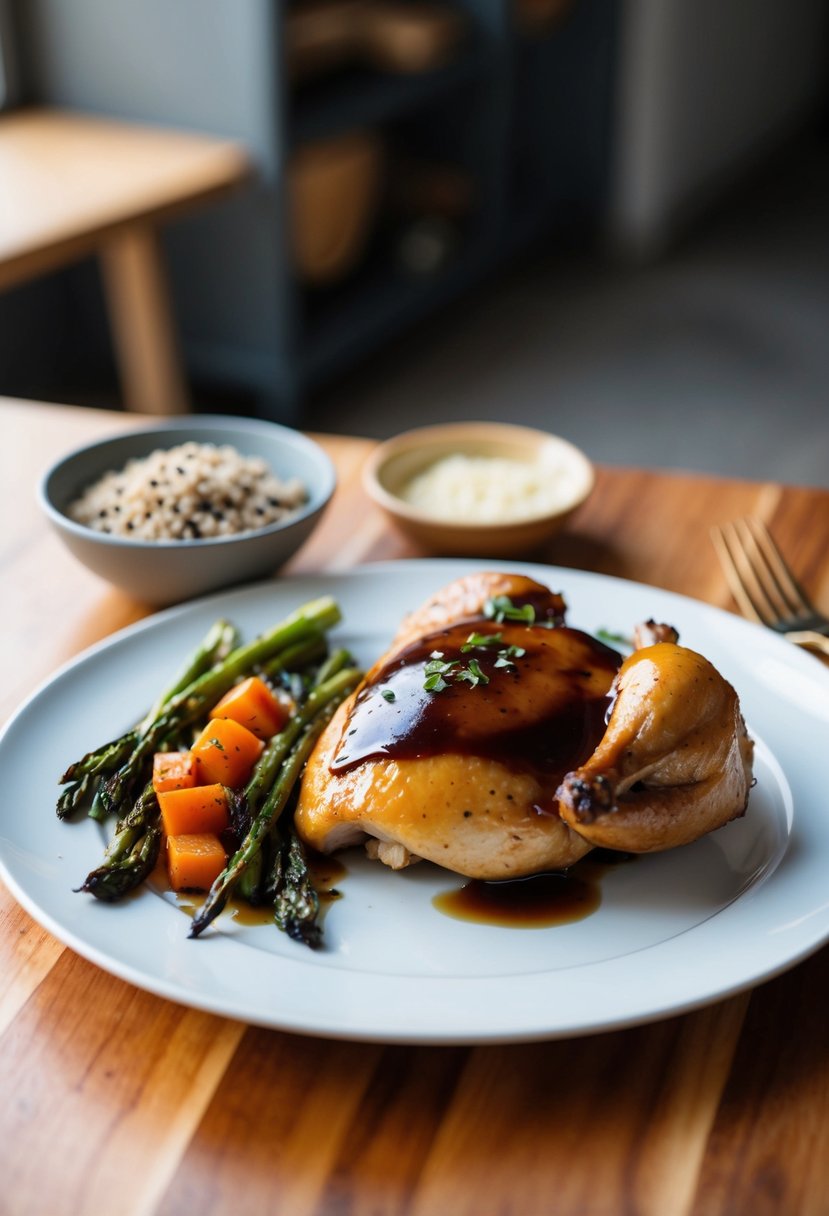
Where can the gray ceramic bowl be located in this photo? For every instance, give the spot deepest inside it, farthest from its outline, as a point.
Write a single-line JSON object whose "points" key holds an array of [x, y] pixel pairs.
{"points": [[166, 572]]}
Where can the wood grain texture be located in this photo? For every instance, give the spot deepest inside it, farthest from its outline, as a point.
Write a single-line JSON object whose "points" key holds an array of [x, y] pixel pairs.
{"points": [[96, 1070], [116, 1100], [769, 1145]]}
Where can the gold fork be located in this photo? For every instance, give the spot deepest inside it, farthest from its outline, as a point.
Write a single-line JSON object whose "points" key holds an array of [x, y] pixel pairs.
{"points": [[764, 586]]}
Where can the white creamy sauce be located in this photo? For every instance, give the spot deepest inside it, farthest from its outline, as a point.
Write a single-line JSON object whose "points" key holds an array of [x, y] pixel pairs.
{"points": [[489, 489]]}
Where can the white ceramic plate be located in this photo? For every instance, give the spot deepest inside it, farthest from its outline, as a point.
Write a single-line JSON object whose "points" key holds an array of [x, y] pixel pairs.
{"points": [[673, 931]]}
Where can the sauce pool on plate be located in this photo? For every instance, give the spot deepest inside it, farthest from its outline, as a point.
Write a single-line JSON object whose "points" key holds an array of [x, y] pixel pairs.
{"points": [[537, 902]]}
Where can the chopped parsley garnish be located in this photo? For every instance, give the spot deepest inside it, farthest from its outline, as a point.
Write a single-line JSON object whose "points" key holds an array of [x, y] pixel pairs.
{"points": [[472, 674], [436, 666], [440, 672], [437, 670], [501, 608], [435, 682], [481, 639], [388, 695], [507, 656]]}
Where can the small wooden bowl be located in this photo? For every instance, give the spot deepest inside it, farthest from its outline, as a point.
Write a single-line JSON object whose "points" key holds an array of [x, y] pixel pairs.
{"points": [[393, 465]]}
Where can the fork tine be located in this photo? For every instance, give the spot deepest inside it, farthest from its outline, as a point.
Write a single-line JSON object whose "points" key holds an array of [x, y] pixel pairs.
{"points": [[788, 586], [755, 568], [728, 546], [764, 587]]}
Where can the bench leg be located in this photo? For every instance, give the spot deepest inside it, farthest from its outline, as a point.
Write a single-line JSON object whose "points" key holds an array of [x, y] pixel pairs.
{"points": [[143, 329]]}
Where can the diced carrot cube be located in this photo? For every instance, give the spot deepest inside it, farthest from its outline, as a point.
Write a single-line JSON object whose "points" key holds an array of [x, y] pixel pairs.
{"points": [[173, 771], [194, 861], [226, 752], [253, 705], [202, 809]]}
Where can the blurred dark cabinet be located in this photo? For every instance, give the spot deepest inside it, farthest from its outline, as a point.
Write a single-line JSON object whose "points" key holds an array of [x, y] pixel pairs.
{"points": [[478, 152]]}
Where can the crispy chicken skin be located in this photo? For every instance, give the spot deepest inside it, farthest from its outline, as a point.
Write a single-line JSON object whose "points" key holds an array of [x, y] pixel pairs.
{"points": [[522, 774], [466, 813], [675, 761], [465, 598]]}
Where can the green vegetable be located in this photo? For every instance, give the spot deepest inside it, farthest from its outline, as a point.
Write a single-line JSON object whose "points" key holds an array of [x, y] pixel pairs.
{"points": [[214, 647], [215, 666], [131, 854], [196, 699], [296, 902]]}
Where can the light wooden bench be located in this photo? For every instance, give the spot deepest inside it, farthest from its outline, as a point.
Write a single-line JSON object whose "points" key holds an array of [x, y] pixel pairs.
{"points": [[73, 185]]}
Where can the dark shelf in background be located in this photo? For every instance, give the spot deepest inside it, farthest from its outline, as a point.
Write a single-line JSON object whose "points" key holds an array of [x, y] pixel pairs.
{"points": [[360, 97], [346, 323]]}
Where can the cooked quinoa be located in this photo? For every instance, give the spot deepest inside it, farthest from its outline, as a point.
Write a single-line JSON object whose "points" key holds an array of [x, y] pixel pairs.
{"points": [[191, 492]]}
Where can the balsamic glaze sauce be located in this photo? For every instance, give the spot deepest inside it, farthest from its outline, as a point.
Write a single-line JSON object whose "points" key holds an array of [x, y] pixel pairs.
{"points": [[545, 712], [558, 898]]}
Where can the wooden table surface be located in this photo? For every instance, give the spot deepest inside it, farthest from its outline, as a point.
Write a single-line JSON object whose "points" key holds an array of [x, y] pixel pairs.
{"points": [[115, 1100]]}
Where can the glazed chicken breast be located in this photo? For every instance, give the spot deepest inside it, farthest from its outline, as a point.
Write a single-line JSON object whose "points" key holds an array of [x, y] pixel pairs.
{"points": [[496, 741]]}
